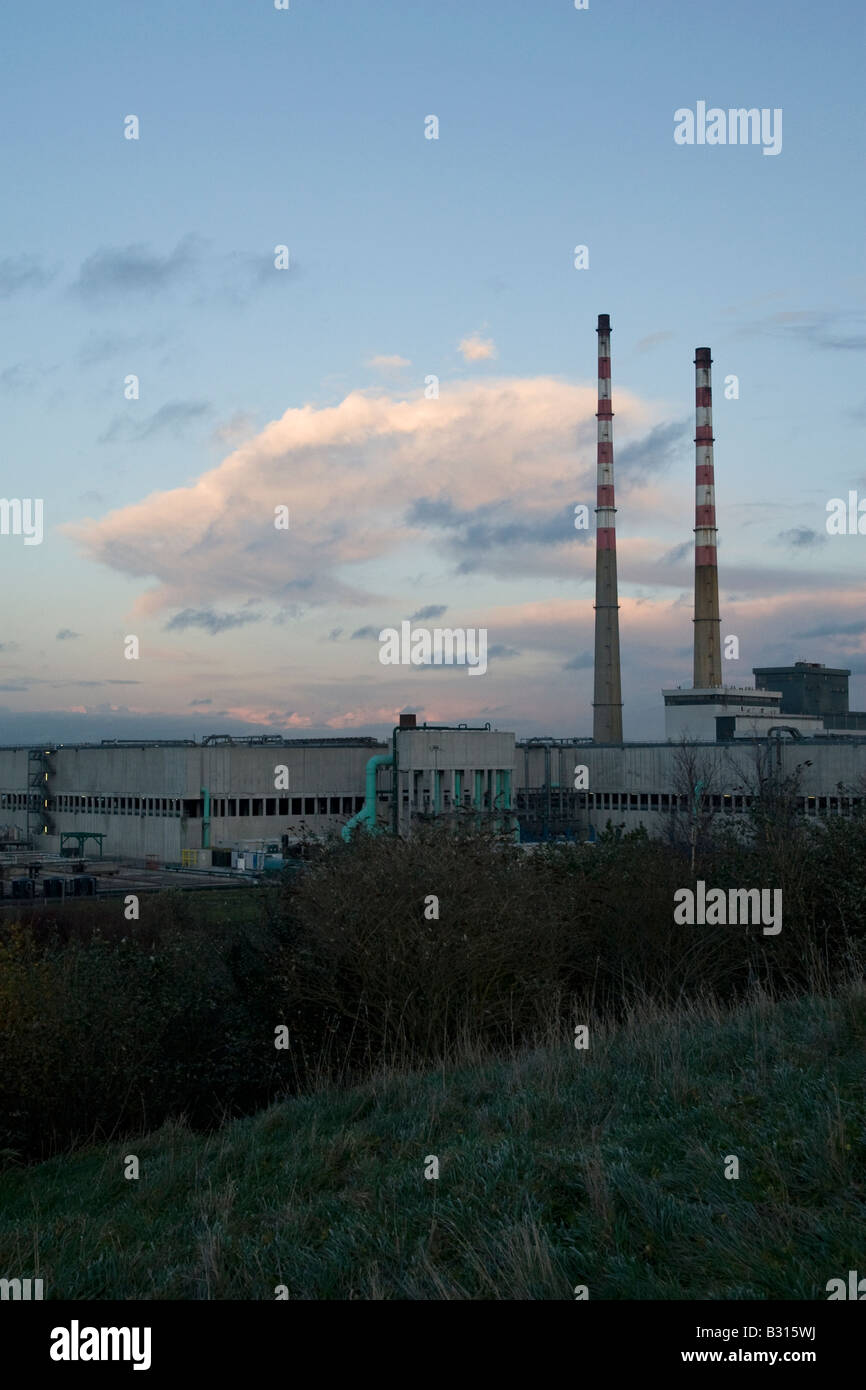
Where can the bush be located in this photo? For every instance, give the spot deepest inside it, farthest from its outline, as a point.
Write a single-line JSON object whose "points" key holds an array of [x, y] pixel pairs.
{"points": [[370, 979], [108, 1027]]}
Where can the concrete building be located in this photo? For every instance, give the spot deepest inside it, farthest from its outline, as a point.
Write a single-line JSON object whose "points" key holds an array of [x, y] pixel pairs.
{"points": [[810, 688], [719, 714]]}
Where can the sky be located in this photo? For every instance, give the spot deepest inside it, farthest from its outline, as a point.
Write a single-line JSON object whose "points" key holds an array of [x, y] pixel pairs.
{"points": [[169, 379]]}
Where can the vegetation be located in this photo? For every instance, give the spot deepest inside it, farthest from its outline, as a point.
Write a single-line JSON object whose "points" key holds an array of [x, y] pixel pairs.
{"points": [[108, 1028], [558, 1167]]}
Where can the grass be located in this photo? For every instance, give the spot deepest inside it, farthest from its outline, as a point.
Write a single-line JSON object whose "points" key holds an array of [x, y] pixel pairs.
{"points": [[558, 1167]]}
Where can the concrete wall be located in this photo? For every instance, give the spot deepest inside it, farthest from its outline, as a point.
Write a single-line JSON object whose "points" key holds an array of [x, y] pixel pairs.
{"points": [[637, 775], [646, 774]]}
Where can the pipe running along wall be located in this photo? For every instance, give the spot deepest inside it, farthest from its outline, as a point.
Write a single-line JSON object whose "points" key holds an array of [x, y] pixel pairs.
{"points": [[367, 814]]}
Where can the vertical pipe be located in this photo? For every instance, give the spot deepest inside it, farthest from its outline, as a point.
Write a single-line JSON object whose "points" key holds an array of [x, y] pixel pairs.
{"points": [[708, 653], [607, 695], [205, 819]]}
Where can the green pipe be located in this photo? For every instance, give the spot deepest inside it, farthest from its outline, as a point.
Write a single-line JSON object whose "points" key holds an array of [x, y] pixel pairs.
{"points": [[437, 793], [205, 820], [367, 814], [458, 790]]}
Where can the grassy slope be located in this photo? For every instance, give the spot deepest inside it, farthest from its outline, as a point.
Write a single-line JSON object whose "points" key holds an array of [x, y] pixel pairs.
{"points": [[558, 1167]]}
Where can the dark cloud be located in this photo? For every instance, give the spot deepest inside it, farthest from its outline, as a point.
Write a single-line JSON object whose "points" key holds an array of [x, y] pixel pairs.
{"points": [[19, 273], [677, 554], [172, 417], [480, 529], [801, 537], [200, 702], [66, 634], [835, 629], [833, 330], [582, 662], [656, 451], [502, 652], [18, 688], [367, 631], [209, 621], [433, 610], [652, 340], [334, 634], [117, 271], [16, 378], [102, 347]]}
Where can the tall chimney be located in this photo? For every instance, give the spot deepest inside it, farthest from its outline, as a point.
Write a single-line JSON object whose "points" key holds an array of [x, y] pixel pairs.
{"points": [[708, 655], [607, 699]]}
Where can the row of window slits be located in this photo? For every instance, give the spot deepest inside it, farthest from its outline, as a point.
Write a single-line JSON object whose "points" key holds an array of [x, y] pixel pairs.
{"points": [[220, 807], [666, 801], [230, 807]]}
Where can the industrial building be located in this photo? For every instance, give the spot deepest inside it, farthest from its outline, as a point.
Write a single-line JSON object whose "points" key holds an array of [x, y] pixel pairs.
{"points": [[197, 804]]}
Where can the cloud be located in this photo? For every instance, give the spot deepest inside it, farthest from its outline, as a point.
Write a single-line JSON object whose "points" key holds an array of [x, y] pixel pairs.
{"points": [[102, 347], [676, 555], [384, 361], [115, 272], [193, 703], [484, 528], [433, 610], [476, 349], [801, 537], [652, 340], [582, 662], [655, 452], [510, 458], [209, 621], [9, 646], [833, 330], [361, 633], [334, 634], [173, 418], [834, 628], [239, 426], [17, 378], [66, 634], [20, 273], [503, 652]]}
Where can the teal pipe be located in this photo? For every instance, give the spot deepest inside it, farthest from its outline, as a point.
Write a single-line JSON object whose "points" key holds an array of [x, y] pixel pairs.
{"points": [[205, 819], [367, 814]]}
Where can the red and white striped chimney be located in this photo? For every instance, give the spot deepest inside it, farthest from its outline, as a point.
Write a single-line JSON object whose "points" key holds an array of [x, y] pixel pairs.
{"points": [[708, 651], [607, 700]]}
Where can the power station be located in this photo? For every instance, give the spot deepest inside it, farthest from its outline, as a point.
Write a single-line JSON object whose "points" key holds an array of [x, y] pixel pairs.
{"points": [[227, 801]]}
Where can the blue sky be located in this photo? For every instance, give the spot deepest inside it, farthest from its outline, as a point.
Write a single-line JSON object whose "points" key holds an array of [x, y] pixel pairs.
{"points": [[306, 128]]}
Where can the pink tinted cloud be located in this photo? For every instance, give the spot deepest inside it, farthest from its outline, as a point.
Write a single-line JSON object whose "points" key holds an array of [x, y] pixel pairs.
{"points": [[348, 474]]}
